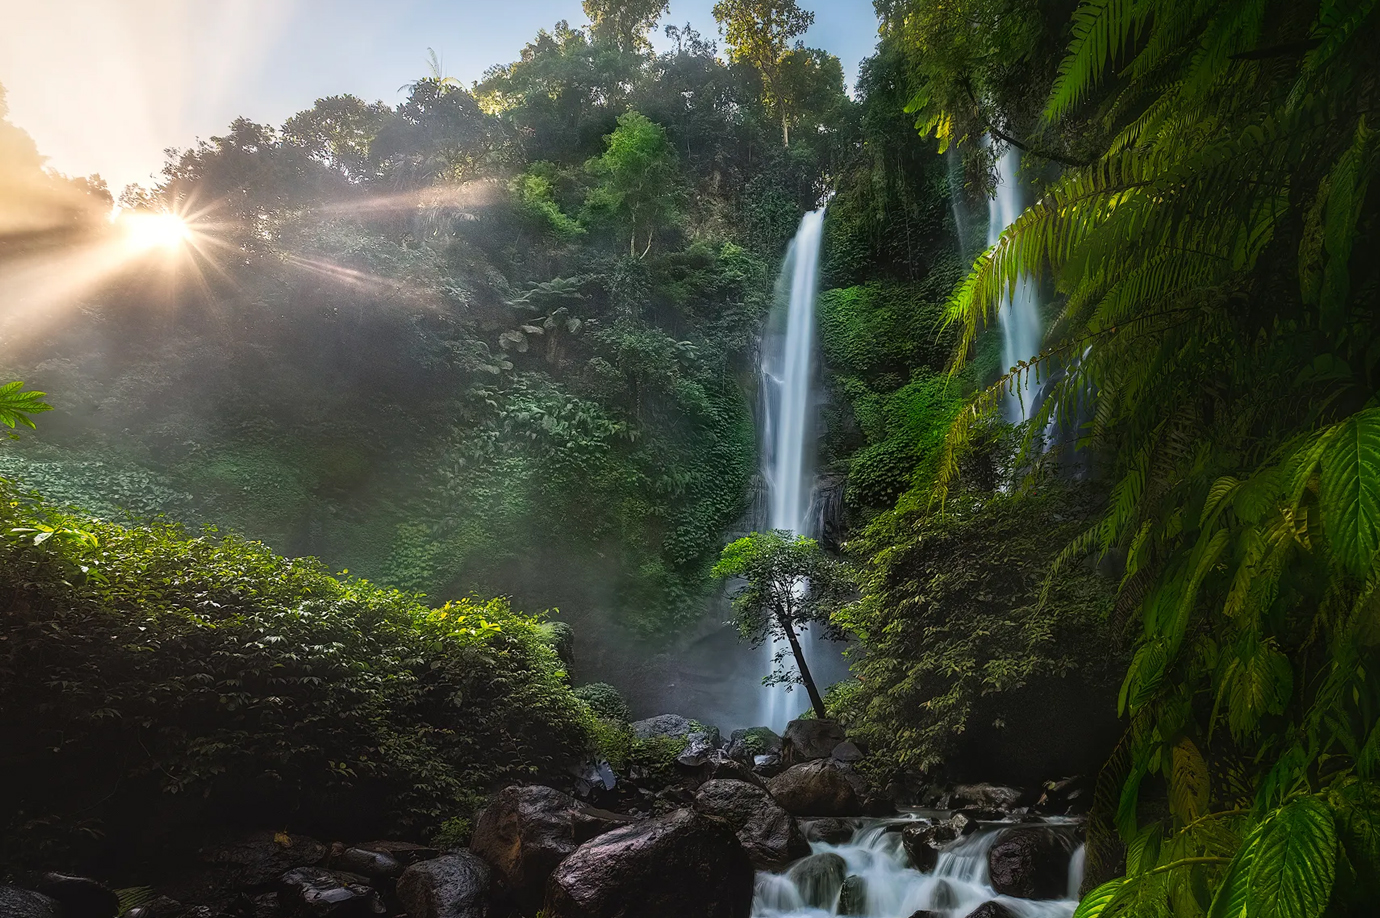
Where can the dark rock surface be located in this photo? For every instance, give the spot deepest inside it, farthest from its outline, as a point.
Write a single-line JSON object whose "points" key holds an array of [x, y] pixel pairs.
{"points": [[25, 903], [699, 745], [984, 797], [683, 865], [258, 859], [853, 896], [80, 897], [810, 739], [368, 863], [453, 886], [768, 833], [991, 910], [819, 878], [817, 788], [1031, 862], [923, 844], [831, 829], [165, 907], [525, 832], [314, 892], [846, 752]]}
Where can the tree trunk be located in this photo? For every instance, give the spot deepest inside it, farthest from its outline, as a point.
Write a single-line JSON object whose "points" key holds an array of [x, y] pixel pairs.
{"points": [[785, 131], [815, 700]]}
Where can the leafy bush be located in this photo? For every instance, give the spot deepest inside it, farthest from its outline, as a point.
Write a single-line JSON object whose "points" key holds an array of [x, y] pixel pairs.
{"points": [[604, 700], [141, 662]]}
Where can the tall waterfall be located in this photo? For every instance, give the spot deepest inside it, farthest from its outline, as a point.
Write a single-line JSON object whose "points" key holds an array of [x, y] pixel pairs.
{"points": [[788, 419], [1020, 313]]}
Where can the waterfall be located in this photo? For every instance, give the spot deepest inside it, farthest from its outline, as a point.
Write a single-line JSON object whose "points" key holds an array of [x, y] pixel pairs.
{"points": [[788, 392], [1020, 309], [892, 888]]}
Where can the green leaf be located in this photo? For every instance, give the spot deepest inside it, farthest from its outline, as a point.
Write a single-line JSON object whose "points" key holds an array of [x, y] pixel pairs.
{"points": [[1295, 865], [1349, 492], [1189, 786], [1096, 902]]}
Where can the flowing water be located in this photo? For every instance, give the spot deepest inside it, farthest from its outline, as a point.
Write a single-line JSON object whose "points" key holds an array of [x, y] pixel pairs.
{"points": [[1020, 308], [788, 417], [892, 889]]}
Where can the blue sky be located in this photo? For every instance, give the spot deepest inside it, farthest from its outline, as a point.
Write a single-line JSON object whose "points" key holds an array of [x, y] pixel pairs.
{"points": [[105, 85]]}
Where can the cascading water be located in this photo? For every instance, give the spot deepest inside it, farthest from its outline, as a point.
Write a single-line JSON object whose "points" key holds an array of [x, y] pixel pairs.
{"points": [[891, 888], [788, 419], [1020, 312]]}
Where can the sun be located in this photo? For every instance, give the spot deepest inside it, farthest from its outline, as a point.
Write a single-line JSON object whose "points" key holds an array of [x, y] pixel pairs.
{"points": [[154, 231]]}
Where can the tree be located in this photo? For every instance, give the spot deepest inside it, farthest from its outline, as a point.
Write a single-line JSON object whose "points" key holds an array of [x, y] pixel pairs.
{"points": [[760, 32], [625, 23], [639, 177], [337, 132], [791, 583], [17, 404]]}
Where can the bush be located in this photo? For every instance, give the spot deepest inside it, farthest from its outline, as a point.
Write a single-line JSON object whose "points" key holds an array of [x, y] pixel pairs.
{"points": [[209, 681], [604, 700]]}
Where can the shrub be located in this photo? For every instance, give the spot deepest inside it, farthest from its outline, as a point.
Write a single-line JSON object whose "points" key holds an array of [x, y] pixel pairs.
{"points": [[605, 701], [142, 662]]}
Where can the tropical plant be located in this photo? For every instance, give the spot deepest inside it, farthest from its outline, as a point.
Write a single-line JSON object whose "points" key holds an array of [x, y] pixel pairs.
{"points": [[760, 33], [18, 405], [1217, 293], [638, 178], [790, 584]]}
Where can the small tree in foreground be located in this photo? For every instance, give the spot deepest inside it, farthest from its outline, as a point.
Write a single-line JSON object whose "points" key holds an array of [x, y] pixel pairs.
{"points": [[791, 583]]}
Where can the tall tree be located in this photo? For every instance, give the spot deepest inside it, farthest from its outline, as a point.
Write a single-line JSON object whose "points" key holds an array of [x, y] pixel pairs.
{"points": [[639, 177], [790, 584], [625, 23], [760, 33]]}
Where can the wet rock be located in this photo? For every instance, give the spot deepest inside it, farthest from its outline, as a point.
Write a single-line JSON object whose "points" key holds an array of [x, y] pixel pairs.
{"points": [[810, 739], [991, 910], [1066, 797], [846, 752], [877, 805], [819, 878], [744, 745], [699, 745], [829, 829], [258, 859], [264, 905], [594, 780], [25, 903], [313, 892], [525, 832], [853, 896], [926, 913], [962, 824], [80, 897], [984, 797], [1030, 862], [372, 864], [923, 844], [943, 896], [720, 765], [453, 886], [769, 834], [684, 865], [405, 853], [768, 765], [818, 788], [672, 725]]}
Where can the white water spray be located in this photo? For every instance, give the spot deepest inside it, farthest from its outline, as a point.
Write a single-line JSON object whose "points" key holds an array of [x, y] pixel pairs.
{"points": [[1020, 310], [788, 392]]}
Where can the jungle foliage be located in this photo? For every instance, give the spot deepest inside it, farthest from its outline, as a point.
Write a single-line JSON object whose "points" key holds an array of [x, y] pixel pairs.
{"points": [[1213, 245], [157, 682]]}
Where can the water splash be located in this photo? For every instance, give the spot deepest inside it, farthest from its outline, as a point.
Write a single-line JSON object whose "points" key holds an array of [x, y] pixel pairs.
{"points": [[1020, 309], [892, 889]]}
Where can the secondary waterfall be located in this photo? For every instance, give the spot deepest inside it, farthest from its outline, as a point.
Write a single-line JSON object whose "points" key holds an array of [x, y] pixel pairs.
{"points": [[788, 394], [891, 888], [1020, 309]]}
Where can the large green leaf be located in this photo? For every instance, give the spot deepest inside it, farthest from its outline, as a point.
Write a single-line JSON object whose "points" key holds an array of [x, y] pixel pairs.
{"points": [[1096, 902], [1189, 784], [1231, 896], [1292, 873], [1350, 491]]}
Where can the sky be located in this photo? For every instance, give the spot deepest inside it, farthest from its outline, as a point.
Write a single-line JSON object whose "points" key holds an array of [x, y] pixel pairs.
{"points": [[106, 85]]}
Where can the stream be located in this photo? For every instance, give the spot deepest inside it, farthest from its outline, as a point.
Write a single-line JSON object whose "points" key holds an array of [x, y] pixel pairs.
{"points": [[892, 888]]}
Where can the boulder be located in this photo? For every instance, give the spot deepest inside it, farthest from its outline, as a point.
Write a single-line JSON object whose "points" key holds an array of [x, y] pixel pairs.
{"points": [[1066, 797], [80, 897], [768, 833], [810, 739], [526, 831], [683, 865], [926, 913], [453, 886], [743, 745], [853, 896], [846, 752], [258, 859], [405, 853], [923, 844], [264, 905], [720, 765], [699, 745], [314, 892], [943, 897], [991, 910], [25, 903], [372, 864], [672, 725], [819, 878], [1030, 862], [818, 788], [829, 829], [984, 797]]}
